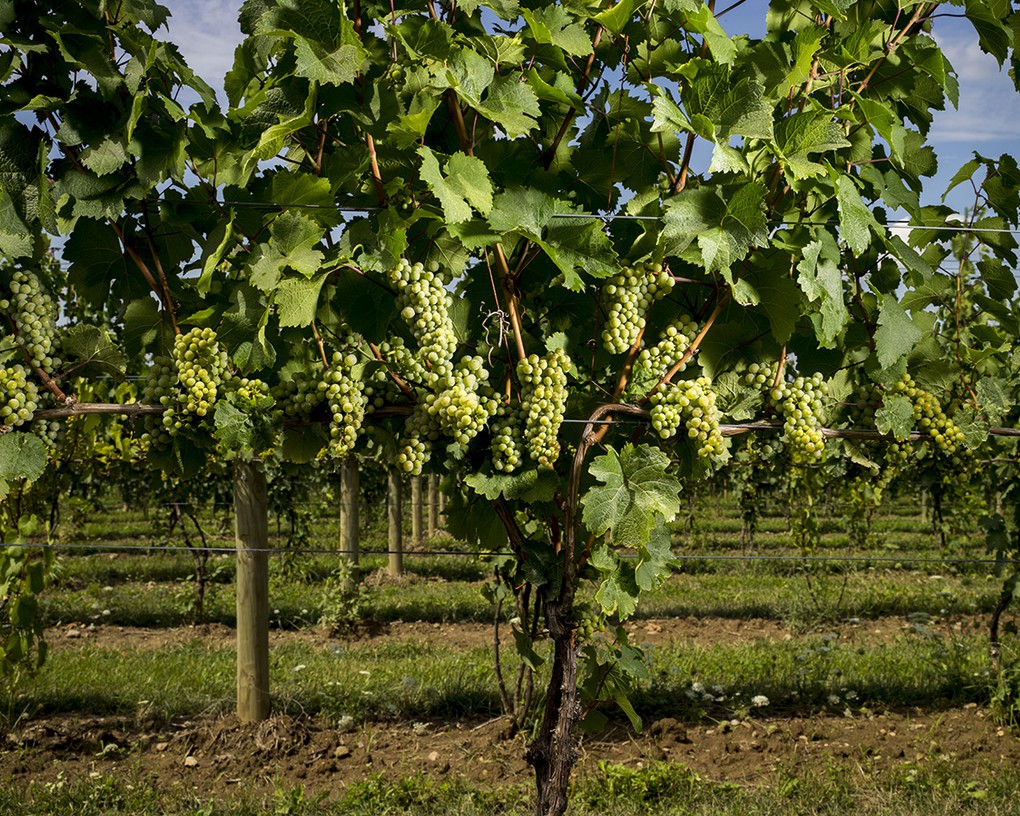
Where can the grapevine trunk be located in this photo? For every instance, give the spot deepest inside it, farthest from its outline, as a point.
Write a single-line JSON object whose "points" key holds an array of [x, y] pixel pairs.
{"points": [[553, 753]]}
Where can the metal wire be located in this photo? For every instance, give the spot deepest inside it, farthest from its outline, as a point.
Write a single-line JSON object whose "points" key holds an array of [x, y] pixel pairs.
{"points": [[819, 559]]}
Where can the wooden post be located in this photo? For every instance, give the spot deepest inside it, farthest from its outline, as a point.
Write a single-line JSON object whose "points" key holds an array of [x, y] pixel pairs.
{"points": [[417, 513], [433, 505], [350, 542], [396, 522], [251, 525]]}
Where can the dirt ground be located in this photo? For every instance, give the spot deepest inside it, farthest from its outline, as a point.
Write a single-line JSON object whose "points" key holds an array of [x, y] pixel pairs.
{"points": [[218, 756]]}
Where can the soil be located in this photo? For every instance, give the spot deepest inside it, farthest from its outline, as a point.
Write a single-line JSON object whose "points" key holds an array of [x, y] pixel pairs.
{"points": [[220, 757]]}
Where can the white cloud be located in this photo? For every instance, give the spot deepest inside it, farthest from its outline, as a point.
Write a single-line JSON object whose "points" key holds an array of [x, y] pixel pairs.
{"points": [[206, 32], [989, 109]]}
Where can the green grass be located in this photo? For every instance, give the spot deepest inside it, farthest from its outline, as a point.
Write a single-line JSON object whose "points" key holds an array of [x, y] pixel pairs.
{"points": [[927, 788]]}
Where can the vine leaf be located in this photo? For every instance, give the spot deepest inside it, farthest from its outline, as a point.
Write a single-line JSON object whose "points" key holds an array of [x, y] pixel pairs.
{"points": [[896, 416], [821, 281], [22, 457], [95, 350], [463, 183], [896, 335], [297, 299], [638, 492]]}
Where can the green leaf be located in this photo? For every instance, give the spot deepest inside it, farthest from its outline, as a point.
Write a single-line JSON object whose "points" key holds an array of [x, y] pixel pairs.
{"points": [[703, 21], [95, 351], [15, 236], [821, 280], [524, 210], [855, 219], [106, 157], [656, 559], [221, 241], [466, 183], [142, 325], [529, 486], [617, 593], [584, 247], [637, 487], [554, 25], [511, 104], [329, 66], [617, 17], [896, 334], [297, 300], [22, 457], [896, 416], [993, 396]]}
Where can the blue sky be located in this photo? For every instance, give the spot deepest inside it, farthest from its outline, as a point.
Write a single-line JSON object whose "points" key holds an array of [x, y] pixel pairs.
{"points": [[987, 120]]}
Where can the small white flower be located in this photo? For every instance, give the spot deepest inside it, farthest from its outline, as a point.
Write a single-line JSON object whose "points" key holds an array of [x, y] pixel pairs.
{"points": [[851, 695], [833, 699], [697, 687], [759, 701]]}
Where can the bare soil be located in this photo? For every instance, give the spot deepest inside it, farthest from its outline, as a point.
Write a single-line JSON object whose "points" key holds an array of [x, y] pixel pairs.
{"points": [[218, 757]]}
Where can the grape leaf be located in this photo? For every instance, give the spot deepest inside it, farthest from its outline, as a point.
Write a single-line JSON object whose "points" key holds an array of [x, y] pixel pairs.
{"points": [[896, 416], [637, 489], [297, 300], [465, 184], [22, 456], [821, 281], [896, 335], [855, 219]]}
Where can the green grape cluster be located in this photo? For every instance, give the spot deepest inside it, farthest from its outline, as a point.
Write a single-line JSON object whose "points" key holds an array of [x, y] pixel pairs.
{"points": [[463, 401], [543, 400], [248, 390], [202, 367], [759, 376], [928, 414], [424, 304], [657, 360], [345, 396], [34, 315], [299, 396], [399, 360], [801, 405], [863, 404], [415, 444], [691, 404], [52, 433], [508, 449], [19, 396], [630, 294], [157, 388]]}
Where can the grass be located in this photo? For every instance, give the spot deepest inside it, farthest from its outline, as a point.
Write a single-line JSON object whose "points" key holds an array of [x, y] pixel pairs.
{"points": [[926, 788]]}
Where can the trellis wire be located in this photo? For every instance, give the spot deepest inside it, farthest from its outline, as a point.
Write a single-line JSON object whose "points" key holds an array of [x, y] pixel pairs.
{"points": [[228, 550]]}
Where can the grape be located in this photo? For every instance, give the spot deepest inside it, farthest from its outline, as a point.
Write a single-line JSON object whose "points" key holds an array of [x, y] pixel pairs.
{"points": [[689, 403], [424, 304], [928, 413], [657, 360], [299, 396], [158, 384], [800, 404], [629, 295], [19, 396], [464, 402], [248, 391], [199, 368], [415, 444], [543, 400], [345, 395], [759, 376], [508, 438], [380, 387], [34, 315]]}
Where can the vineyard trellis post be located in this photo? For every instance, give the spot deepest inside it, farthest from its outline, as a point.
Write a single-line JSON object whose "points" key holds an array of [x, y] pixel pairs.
{"points": [[350, 494], [417, 514], [433, 522], [394, 508], [252, 541]]}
